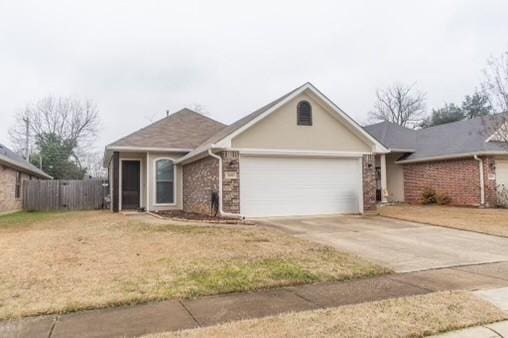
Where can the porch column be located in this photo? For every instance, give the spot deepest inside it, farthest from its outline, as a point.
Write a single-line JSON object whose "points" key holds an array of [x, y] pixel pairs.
{"points": [[147, 186], [384, 187], [116, 180]]}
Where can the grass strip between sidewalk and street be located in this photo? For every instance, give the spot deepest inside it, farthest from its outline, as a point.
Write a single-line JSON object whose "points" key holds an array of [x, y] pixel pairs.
{"points": [[414, 316]]}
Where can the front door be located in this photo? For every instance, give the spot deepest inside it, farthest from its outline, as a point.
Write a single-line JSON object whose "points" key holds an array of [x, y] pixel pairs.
{"points": [[130, 184]]}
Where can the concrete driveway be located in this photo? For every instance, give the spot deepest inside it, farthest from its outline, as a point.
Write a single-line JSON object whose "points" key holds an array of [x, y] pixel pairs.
{"points": [[402, 246]]}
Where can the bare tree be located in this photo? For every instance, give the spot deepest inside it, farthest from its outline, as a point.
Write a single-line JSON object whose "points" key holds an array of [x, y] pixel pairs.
{"points": [[93, 163], [495, 84], [72, 120], [199, 108], [495, 87], [495, 129], [400, 104]]}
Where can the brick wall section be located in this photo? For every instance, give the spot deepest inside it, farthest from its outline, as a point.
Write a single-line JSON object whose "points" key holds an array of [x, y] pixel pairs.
{"points": [[369, 183], [8, 202], [231, 181], [200, 178], [459, 179]]}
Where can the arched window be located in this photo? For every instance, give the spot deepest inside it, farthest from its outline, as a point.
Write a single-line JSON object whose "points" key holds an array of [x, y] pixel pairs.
{"points": [[304, 113], [164, 182]]}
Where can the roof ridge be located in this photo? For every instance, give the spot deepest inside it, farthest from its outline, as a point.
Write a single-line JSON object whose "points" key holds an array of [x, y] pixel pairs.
{"points": [[171, 116], [201, 115], [391, 124], [464, 121]]}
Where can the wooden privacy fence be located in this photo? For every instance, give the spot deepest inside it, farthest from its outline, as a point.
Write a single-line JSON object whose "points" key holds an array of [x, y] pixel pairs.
{"points": [[45, 195]]}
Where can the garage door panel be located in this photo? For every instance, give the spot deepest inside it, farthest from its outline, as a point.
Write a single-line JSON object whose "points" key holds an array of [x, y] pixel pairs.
{"points": [[298, 186]]}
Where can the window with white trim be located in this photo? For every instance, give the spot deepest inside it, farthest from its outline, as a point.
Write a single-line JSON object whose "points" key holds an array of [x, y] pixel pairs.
{"points": [[164, 182], [304, 113]]}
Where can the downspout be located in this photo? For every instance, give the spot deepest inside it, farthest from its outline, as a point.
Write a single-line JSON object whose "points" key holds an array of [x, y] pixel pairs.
{"points": [[147, 202], [222, 212], [482, 182]]}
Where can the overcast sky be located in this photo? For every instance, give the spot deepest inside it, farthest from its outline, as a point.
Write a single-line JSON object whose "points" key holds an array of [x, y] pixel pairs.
{"points": [[136, 59]]}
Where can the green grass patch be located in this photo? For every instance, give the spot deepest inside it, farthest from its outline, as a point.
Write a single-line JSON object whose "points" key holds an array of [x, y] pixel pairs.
{"points": [[182, 229], [26, 218], [238, 276]]}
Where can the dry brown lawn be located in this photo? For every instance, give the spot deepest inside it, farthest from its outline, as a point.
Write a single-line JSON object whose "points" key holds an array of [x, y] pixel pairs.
{"points": [[489, 221], [61, 262], [415, 316]]}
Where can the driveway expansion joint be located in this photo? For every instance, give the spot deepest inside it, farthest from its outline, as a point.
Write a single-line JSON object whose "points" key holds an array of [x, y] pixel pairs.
{"points": [[52, 328], [495, 332], [321, 306], [391, 277], [190, 313], [460, 268]]}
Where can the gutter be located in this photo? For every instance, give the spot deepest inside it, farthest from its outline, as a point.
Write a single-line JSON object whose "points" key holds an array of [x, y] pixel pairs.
{"points": [[482, 180], [452, 156], [222, 212]]}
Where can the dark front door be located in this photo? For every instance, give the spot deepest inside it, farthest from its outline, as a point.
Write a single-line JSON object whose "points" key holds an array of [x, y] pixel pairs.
{"points": [[130, 184]]}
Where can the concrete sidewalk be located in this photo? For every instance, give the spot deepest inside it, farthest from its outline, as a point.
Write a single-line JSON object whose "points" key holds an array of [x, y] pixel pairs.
{"points": [[496, 330], [174, 315]]}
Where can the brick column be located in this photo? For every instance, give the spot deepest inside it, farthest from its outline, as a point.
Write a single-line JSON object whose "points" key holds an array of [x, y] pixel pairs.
{"points": [[369, 183], [230, 181]]}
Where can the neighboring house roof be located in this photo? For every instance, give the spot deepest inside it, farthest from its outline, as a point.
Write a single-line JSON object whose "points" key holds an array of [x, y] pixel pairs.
{"points": [[393, 136], [183, 130], [245, 122], [13, 160], [456, 139]]}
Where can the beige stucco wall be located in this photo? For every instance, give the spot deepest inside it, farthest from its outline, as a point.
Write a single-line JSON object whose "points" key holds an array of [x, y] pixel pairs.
{"points": [[148, 169], [279, 130], [394, 178]]}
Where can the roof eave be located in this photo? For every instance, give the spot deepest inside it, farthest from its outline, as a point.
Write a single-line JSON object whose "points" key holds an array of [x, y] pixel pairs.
{"points": [[144, 149], [15, 165], [108, 151], [452, 156], [401, 150]]}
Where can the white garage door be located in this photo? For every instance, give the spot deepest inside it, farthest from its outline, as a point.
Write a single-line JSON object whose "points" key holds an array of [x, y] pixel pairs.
{"points": [[271, 186]]}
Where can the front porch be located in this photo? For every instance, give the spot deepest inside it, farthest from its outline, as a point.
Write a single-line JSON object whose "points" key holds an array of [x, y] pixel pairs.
{"points": [[389, 178], [145, 181]]}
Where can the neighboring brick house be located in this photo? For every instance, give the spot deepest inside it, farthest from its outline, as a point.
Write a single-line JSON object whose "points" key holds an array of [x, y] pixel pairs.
{"points": [[13, 171], [460, 159], [298, 155]]}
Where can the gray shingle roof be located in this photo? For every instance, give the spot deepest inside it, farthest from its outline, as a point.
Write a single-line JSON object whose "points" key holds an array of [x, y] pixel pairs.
{"points": [[446, 140], [184, 129], [11, 159], [392, 135]]}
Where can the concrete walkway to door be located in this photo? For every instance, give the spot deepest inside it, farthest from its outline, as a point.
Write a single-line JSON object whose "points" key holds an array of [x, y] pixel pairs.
{"points": [[402, 246]]}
